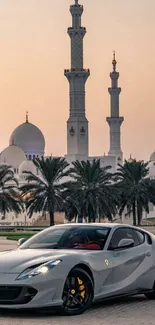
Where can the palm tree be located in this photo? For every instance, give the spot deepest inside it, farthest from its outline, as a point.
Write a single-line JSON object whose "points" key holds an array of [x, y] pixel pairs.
{"points": [[92, 190], [71, 204], [136, 188], [45, 190], [10, 199]]}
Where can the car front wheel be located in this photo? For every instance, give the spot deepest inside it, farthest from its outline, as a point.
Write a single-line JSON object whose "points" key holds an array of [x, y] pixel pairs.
{"points": [[78, 292]]}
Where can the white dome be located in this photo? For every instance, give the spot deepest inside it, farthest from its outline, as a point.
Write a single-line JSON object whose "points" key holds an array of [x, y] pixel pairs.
{"points": [[30, 139], [28, 166], [152, 169], [152, 157], [13, 156]]}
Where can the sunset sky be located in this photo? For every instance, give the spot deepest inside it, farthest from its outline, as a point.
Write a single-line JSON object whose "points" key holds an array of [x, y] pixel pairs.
{"points": [[35, 49]]}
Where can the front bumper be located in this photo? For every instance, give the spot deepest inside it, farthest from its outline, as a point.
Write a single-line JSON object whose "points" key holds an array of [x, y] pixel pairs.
{"points": [[37, 292], [13, 295]]}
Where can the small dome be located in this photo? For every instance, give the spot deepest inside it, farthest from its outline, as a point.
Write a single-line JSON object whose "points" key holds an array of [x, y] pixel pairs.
{"points": [[13, 156], [152, 157], [130, 160], [29, 138], [28, 166]]}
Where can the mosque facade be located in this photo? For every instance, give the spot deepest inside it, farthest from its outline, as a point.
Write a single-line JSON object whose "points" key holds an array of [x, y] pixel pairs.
{"points": [[27, 141]]}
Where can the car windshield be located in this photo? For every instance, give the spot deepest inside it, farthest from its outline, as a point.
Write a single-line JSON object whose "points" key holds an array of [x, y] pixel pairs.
{"points": [[65, 237]]}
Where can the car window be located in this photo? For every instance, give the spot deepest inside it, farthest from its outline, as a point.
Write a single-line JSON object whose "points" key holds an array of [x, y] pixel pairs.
{"points": [[140, 236], [69, 237], [56, 235], [123, 233], [101, 233], [44, 239], [148, 239], [87, 238]]}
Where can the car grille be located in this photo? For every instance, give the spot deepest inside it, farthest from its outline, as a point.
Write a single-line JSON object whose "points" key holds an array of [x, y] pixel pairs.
{"points": [[16, 295], [9, 293]]}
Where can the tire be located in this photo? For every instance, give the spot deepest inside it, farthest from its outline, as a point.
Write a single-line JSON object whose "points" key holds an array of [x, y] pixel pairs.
{"points": [[78, 292], [150, 295]]}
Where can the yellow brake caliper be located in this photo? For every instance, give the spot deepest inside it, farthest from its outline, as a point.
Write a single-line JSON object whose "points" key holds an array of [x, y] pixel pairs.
{"points": [[82, 288]]}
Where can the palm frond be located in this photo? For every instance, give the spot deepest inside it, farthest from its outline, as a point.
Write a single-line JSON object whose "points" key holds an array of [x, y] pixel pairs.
{"points": [[44, 192]]}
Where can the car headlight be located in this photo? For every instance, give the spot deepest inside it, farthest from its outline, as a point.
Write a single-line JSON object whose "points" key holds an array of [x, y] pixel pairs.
{"points": [[41, 269]]}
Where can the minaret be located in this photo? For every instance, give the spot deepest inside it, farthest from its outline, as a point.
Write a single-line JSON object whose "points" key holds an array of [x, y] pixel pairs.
{"points": [[27, 117], [115, 120], [77, 124]]}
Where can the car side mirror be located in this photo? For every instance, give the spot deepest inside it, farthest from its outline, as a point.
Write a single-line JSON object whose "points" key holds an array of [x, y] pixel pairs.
{"points": [[21, 241], [126, 243]]}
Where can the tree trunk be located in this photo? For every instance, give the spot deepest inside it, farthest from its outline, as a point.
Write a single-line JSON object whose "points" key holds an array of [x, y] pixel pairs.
{"points": [[134, 213], [80, 218], [52, 223], [89, 218], [139, 214], [3, 210], [93, 217]]}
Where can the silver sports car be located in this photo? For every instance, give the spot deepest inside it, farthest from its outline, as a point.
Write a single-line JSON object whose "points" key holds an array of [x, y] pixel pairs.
{"points": [[70, 266]]}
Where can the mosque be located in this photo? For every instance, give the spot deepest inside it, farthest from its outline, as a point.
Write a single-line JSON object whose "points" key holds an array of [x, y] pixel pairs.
{"points": [[27, 141], [25, 144]]}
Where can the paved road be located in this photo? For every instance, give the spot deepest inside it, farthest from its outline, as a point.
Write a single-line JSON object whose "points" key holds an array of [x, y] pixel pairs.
{"points": [[7, 244], [130, 311]]}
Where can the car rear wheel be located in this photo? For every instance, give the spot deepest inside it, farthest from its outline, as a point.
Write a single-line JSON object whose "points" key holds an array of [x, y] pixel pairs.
{"points": [[150, 295], [78, 292]]}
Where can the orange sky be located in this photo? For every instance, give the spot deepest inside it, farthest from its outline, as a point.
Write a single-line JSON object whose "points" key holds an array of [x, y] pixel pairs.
{"points": [[35, 49]]}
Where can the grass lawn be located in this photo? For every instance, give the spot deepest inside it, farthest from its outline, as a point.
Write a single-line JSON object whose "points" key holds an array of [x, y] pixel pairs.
{"points": [[17, 235], [148, 222]]}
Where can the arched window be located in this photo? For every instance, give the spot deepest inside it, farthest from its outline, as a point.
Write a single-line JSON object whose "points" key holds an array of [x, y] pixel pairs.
{"points": [[29, 157]]}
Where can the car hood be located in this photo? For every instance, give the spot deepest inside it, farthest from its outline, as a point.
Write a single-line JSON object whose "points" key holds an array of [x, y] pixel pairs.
{"points": [[18, 260]]}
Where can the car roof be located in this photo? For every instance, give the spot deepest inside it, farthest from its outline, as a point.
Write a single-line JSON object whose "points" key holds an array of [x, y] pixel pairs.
{"points": [[111, 225], [94, 224]]}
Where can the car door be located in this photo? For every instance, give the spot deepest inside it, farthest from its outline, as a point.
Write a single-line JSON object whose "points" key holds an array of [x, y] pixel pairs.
{"points": [[132, 266]]}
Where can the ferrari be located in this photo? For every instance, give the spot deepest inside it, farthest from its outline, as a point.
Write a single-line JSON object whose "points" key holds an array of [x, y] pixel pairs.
{"points": [[71, 266]]}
